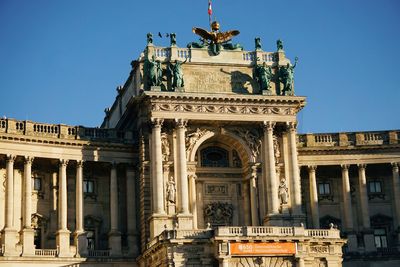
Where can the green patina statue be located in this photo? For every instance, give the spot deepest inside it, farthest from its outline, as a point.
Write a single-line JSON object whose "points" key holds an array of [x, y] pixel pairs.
{"points": [[286, 77], [149, 38], [176, 73], [279, 45], [153, 72], [258, 43], [263, 75], [172, 37]]}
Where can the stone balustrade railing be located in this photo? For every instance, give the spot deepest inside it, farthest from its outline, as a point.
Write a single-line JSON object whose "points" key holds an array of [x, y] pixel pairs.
{"points": [[266, 231], [61, 131], [349, 139], [46, 252]]}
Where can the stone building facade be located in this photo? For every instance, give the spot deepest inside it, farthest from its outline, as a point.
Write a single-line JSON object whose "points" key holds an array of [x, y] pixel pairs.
{"points": [[209, 173]]}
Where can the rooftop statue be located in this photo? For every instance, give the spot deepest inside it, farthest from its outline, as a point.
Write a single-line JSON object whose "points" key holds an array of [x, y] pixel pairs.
{"points": [[177, 73], [258, 43], [215, 38], [153, 72], [286, 76], [149, 38], [263, 75], [279, 45], [172, 37]]}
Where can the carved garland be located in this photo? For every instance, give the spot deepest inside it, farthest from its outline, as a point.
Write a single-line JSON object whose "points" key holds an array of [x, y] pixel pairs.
{"points": [[222, 109]]}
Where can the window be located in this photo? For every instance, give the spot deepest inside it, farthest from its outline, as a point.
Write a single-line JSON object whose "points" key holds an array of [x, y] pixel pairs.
{"points": [[88, 186], [380, 238], [214, 157], [324, 189], [375, 187], [37, 183]]}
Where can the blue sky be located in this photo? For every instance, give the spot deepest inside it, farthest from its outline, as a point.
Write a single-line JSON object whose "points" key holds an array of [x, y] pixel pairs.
{"points": [[61, 61]]}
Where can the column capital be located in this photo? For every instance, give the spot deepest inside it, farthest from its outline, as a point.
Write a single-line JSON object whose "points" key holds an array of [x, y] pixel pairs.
{"points": [[63, 162], [156, 122], [345, 166], [269, 125], [362, 166], [312, 168], [395, 166], [28, 160], [291, 126], [10, 158], [79, 163], [181, 123]]}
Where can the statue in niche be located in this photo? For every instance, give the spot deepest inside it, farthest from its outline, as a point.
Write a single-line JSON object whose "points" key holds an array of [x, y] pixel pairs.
{"points": [[165, 147], [286, 76], [279, 45], [277, 152], [171, 190], [257, 43], [263, 75], [176, 73], [149, 38], [172, 37], [283, 192], [153, 71]]}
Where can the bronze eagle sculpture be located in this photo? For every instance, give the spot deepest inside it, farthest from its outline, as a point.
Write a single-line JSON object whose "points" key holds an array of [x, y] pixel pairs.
{"points": [[215, 36]]}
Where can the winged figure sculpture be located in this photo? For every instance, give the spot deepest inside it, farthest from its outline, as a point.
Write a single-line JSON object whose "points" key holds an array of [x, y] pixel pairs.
{"points": [[215, 37]]}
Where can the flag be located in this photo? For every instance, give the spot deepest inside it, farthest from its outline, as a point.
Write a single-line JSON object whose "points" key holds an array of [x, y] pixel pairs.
{"points": [[209, 8]]}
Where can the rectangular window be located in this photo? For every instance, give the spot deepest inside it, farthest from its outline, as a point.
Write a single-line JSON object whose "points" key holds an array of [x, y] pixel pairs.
{"points": [[88, 186], [37, 183], [380, 238], [324, 189], [375, 187]]}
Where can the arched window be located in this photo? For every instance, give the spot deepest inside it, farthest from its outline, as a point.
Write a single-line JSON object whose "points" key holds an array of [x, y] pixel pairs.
{"points": [[214, 157]]}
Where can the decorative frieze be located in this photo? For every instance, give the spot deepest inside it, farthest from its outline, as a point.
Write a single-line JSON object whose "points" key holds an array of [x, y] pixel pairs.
{"points": [[216, 189]]}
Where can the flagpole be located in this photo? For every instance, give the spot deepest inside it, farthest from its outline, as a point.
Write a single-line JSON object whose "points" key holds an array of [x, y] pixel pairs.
{"points": [[209, 12]]}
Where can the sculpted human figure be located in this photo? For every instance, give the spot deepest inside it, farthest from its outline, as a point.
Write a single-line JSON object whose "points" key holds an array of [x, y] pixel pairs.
{"points": [[172, 37], [286, 76], [153, 70], [279, 45], [177, 73], [283, 192], [149, 38], [171, 190], [258, 43], [263, 75]]}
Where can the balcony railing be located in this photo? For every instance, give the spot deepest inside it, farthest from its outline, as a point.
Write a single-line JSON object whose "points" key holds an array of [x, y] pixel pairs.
{"points": [[98, 253], [349, 139], [46, 252], [61, 131]]}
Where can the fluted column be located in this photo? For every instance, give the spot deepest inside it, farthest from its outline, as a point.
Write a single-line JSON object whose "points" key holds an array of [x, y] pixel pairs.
{"points": [[114, 236], [362, 183], [79, 234], [27, 231], [131, 211], [182, 166], [9, 233], [158, 183], [294, 166], [62, 235], [396, 192], [253, 197], [313, 195], [347, 207], [269, 169]]}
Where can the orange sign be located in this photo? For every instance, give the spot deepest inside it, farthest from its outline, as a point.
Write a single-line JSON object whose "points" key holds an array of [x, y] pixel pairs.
{"points": [[280, 248]]}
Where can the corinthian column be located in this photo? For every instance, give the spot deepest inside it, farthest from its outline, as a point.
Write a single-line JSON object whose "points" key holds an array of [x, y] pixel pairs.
{"points": [[27, 232], [182, 166], [79, 235], [294, 166], [158, 184], [362, 182], [396, 192], [9, 233], [313, 196], [348, 211], [269, 169], [114, 236], [62, 235]]}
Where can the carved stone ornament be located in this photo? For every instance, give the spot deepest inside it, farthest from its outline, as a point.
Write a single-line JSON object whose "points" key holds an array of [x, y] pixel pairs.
{"points": [[251, 137], [283, 192], [218, 213], [277, 151], [319, 249], [193, 137], [165, 146], [222, 109], [171, 190]]}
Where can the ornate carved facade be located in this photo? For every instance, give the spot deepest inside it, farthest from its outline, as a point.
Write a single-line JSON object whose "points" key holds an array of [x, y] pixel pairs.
{"points": [[213, 173]]}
